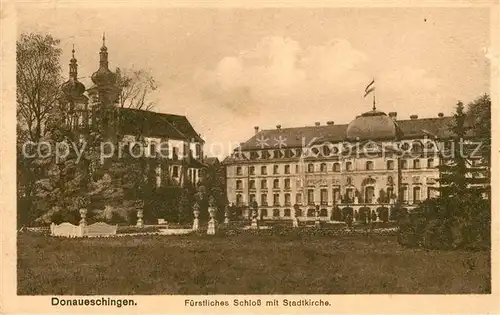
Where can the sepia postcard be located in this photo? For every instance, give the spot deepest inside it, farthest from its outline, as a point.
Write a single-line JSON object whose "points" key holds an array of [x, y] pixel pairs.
{"points": [[322, 157]]}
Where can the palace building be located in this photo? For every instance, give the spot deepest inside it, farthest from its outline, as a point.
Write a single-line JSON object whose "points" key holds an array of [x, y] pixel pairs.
{"points": [[181, 145], [361, 169]]}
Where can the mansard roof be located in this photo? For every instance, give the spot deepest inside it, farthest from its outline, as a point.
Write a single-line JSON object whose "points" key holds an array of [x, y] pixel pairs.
{"points": [[153, 124], [300, 136]]}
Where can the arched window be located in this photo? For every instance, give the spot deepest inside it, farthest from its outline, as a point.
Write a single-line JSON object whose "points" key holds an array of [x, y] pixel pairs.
{"points": [[336, 167], [369, 165], [276, 183], [416, 146], [323, 167], [310, 168], [263, 170], [348, 166], [390, 164]]}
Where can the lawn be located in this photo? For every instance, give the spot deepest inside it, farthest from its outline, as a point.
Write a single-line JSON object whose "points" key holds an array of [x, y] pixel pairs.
{"points": [[243, 264]]}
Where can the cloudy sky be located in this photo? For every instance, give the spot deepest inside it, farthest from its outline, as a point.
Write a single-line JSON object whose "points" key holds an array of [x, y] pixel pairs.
{"points": [[231, 69]]}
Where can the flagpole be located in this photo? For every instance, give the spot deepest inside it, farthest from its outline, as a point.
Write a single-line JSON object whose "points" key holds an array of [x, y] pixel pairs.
{"points": [[374, 108]]}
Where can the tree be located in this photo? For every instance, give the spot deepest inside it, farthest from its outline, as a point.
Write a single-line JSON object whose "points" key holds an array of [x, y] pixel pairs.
{"points": [[38, 77], [460, 216], [136, 86], [38, 89]]}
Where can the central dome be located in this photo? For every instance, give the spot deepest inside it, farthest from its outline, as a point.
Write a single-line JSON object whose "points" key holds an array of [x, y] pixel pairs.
{"points": [[372, 125]]}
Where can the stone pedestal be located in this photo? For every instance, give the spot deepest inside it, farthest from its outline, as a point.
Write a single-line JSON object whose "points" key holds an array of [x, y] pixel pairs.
{"points": [[196, 221], [211, 223], [295, 222], [140, 222], [316, 217], [83, 215]]}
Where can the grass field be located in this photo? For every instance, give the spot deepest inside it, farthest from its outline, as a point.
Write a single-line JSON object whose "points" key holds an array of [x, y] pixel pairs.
{"points": [[243, 264]]}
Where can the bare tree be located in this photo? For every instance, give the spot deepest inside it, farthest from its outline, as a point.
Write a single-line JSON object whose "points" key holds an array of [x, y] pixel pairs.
{"points": [[38, 77], [136, 86]]}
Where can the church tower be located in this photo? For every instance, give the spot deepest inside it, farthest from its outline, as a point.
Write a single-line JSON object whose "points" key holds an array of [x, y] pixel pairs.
{"points": [[74, 103], [104, 96]]}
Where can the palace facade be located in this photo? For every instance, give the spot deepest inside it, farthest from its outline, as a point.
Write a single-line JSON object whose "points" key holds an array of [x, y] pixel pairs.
{"points": [[361, 169], [181, 146]]}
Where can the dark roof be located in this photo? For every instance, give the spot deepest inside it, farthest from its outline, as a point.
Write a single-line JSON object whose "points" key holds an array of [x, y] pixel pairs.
{"points": [[372, 125], [295, 137], [211, 160], [153, 124]]}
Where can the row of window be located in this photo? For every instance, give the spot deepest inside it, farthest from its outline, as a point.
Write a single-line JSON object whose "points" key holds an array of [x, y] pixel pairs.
{"points": [[327, 150], [336, 167], [349, 197]]}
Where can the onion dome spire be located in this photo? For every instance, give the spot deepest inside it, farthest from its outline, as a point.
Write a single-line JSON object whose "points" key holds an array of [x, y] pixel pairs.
{"points": [[72, 87], [103, 76]]}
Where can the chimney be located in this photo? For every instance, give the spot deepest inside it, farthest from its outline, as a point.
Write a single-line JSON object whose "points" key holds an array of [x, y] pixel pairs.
{"points": [[393, 115], [440, 115], [317, 123], [330, 123], [256, 128], [413, 117], [278, 127]]}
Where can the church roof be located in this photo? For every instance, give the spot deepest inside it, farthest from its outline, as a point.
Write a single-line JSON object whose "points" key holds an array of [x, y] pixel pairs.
{"points": [[153, 124], [296, 137]]}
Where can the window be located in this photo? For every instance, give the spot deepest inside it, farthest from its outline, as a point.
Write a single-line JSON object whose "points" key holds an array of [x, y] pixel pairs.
{"points": [[263, 199], [251, 184], [287, 183], [404, 191], [298, 198], [251, 170], [276, 183], [390, 165], [348, 166], [239, 199], [175, 171], [390, 180], [276, 212], [416, 163], [238, 170], [263, 184], [430, 163], [369, 165], [431, 192], [310, 196], [297, 169], [336, 195], [239, 184], [369, 194], [263, 212], [276, 169], [287, 213], [349, 192], [276, 199], [416, 194], [336, 167], [416, 146], [404, 164], [252, 198], [322, 167], [175, 153], [263, 170], [265, 155], [287, 169], [310, 168], [287, 200], [405, 146], [198, 150], [324, 196]]}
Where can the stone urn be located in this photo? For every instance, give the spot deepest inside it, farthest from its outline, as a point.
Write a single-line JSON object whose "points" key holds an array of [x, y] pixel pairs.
{"points": [[211, 222], [255, 214], [295, 221], [226, 214], [140, 214], [83, 215], [196, 213]]}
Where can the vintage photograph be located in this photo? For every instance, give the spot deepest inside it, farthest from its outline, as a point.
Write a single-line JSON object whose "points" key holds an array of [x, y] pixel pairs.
{"points": [[275, 151]]}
